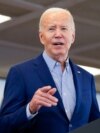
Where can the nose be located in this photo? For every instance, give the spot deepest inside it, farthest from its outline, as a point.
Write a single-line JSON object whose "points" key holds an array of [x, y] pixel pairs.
{"points": [[58, 33]]}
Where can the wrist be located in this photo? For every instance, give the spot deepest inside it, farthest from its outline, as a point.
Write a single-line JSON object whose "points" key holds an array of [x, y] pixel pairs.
{"points": [[29, 114], [31, 109]]}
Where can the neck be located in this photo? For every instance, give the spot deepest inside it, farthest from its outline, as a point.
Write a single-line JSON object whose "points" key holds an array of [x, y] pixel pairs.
{"points": [[62, 61], [63, 65], [60, 58]]}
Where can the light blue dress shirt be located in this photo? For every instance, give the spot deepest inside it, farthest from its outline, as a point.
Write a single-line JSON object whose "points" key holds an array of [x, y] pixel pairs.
{"points": [[64, 83]]}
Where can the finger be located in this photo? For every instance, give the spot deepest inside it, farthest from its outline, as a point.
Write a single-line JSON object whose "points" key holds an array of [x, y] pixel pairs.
{"points": [[45, 88], [47, 96], [43, 103], [38, 101], [52, 91], [45, 100]]}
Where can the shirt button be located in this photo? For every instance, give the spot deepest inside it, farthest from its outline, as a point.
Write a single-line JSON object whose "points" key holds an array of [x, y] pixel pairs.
{"points": [[64, 94], [70, 125]]}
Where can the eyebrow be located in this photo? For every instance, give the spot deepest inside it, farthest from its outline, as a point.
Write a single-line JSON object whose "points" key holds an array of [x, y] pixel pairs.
{"points": [[60, 26]]}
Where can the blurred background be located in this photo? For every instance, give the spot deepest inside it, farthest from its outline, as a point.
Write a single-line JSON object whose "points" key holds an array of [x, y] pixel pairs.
{"points": [[19, 34]]}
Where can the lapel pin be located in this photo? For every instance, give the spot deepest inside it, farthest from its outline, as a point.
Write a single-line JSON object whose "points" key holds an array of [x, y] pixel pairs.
{"points": [[78, 72]]}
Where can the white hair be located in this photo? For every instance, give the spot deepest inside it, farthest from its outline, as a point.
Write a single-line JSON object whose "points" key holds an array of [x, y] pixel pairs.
{"points": [[52, 10]]}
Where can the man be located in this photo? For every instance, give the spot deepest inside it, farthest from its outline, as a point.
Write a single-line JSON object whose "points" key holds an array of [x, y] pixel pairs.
{"points": [[49, 94]]}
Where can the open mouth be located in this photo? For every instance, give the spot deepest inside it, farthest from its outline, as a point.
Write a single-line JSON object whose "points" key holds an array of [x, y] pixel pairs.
{"points": [[58, 43]]}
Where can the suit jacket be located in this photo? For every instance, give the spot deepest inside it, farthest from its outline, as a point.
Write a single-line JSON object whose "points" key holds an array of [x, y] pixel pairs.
{"points": [[22, 82]]}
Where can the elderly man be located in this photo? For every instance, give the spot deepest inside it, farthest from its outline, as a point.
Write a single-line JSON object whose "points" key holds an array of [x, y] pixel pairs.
{"points": [[49, 94]]}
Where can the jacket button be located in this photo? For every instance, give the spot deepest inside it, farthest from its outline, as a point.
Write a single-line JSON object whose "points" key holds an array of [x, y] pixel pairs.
{"points": [[70, 125]]}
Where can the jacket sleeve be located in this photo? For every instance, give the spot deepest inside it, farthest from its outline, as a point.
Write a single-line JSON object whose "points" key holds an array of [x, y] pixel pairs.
{"points": [[95, 112], [13, 109]]}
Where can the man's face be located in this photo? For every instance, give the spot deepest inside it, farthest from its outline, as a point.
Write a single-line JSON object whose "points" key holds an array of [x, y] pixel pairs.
{"points": [[57, 34]]}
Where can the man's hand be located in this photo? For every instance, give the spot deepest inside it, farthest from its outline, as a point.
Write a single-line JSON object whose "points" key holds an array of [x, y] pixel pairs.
{"points": [[43, 97]]}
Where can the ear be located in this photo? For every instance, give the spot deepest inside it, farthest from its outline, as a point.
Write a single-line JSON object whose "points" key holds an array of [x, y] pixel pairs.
{"points": [[41, 37], [73, 37]]}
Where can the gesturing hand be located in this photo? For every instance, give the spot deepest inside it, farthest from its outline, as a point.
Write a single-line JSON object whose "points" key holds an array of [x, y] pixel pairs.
{"points": [[43, 97]]}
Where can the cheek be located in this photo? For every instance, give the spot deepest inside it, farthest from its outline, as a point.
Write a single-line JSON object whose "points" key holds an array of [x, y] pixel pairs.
{"points": [[44, 39], [47, 40], [69, 40]]}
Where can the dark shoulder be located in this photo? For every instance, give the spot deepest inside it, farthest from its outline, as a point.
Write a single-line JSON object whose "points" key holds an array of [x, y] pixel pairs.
{"points": [[80, 69], [27, 64], [23, 64], [83, 70]]}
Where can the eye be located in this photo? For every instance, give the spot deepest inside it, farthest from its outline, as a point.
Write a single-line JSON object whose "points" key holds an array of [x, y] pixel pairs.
{"points": [[51, 29], [64, 28]]}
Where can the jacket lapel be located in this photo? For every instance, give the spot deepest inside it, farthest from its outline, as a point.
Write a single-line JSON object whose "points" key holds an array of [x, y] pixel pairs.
{"points": [[77, 76]]}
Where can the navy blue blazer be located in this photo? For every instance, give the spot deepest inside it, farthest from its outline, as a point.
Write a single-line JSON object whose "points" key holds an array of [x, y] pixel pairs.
{"points": [[22, 82]]}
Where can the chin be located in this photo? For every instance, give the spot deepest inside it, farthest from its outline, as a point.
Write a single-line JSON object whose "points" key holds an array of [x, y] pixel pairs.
{"points": [[59, 53]]}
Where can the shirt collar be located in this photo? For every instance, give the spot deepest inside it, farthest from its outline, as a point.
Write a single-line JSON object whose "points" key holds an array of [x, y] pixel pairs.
{"points": [[51, 62]]}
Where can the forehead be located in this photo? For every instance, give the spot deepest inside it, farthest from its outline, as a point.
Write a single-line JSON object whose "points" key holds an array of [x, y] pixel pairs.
{"points": [[56, 18]]}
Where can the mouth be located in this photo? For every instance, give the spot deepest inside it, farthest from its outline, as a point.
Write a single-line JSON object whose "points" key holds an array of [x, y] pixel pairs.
{"points": [[58, 43]]}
